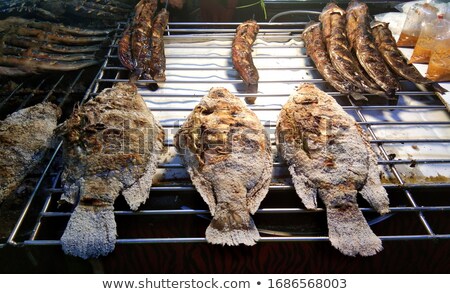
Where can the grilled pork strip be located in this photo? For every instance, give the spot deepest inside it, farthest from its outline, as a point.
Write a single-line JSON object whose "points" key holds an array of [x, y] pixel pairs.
{"points": [[315, 48], [158, 58], [394, 58], [328, 154], [111, 147], [335, 37], [24, 137], [241, 53], [227, 154], [361, 41]]}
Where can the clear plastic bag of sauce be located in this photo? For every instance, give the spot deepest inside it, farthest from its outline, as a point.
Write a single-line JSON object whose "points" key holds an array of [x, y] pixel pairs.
{"points": [[417, 15], [431, 33], [439, 66]]}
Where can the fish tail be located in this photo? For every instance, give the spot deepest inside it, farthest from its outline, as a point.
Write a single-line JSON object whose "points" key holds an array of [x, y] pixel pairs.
{"points": [[348, 230], [232, 227], [91, 232]]}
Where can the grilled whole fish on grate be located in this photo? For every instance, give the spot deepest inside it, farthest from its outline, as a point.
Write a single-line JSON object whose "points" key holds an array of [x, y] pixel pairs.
{"points": [[328, 154], [394, 58], [227, 154], [158, 58], [335, 37], [361, 41], [315, 48], [111, 147], [241, 54], [25, 135]]}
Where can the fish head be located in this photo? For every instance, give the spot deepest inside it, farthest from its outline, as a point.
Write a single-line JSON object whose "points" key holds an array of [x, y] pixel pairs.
{"points": [[357, 6], [331, 8]]}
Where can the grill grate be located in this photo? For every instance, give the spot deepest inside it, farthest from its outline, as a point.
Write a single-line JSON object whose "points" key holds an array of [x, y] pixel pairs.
{"points": [[198, 56]]}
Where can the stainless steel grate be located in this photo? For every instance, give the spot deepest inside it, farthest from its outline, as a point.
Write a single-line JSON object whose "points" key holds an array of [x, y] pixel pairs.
{"points": [[411, 136]]}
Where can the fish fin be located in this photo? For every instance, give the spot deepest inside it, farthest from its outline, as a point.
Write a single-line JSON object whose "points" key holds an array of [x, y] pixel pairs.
{"points": [[348, 230], [232, 227], [137, 194], [203, 187], [259, 191], [305, 188], [373, 191], [91, 232], [358, 96]]}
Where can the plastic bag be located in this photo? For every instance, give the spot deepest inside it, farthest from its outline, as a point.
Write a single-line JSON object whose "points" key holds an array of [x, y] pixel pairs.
{"points": [[439, 4], [417, 15], [439, 66], [396, 20], [431, 33]]}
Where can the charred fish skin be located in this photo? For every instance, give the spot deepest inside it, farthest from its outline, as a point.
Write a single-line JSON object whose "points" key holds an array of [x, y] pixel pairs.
{"points": [[315, 48], [227, 154], [361, 41], [394, 58], [124, 50], [158, 58], [111, 146], [141, 35], [241, 53], [329, 155], [24, 137], [37, 65], [335, 36]]}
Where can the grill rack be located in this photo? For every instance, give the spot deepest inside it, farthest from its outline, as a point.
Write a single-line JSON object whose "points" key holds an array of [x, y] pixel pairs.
{"points": [[41, 210]]}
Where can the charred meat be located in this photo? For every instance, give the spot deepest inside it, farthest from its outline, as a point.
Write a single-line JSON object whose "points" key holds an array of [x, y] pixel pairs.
{"points": [[227, 154], [361, 41], [335, 37], [315, 48], [329, 155], [24, 137], [111, 147], [241, 53], [158, 59], [394, 58]]}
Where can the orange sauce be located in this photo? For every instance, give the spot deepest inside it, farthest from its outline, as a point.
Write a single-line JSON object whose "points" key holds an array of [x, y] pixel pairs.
{"points": [[439, 67], [406, 40]]}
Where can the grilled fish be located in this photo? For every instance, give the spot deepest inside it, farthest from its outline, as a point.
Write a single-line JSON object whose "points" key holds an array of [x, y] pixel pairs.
{"points": [[158, 59], [241, 54], [141, 33], [394, 58], [24, 137], [315, 48], [328, 154], [111, 147], [335, 37], [124, 50], [36, 65], [227, 154], [361, 41]]}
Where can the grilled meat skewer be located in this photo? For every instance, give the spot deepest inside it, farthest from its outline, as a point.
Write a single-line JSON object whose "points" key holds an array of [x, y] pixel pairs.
{"points": [[24, 137], [361, 41], [315, 48], [228, 156], [328, 154], [111, 147], [335, 37], [158, 59], [241, 53]]}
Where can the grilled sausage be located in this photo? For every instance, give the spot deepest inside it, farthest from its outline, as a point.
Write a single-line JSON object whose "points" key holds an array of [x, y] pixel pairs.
{"points": [[158, 59]]}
